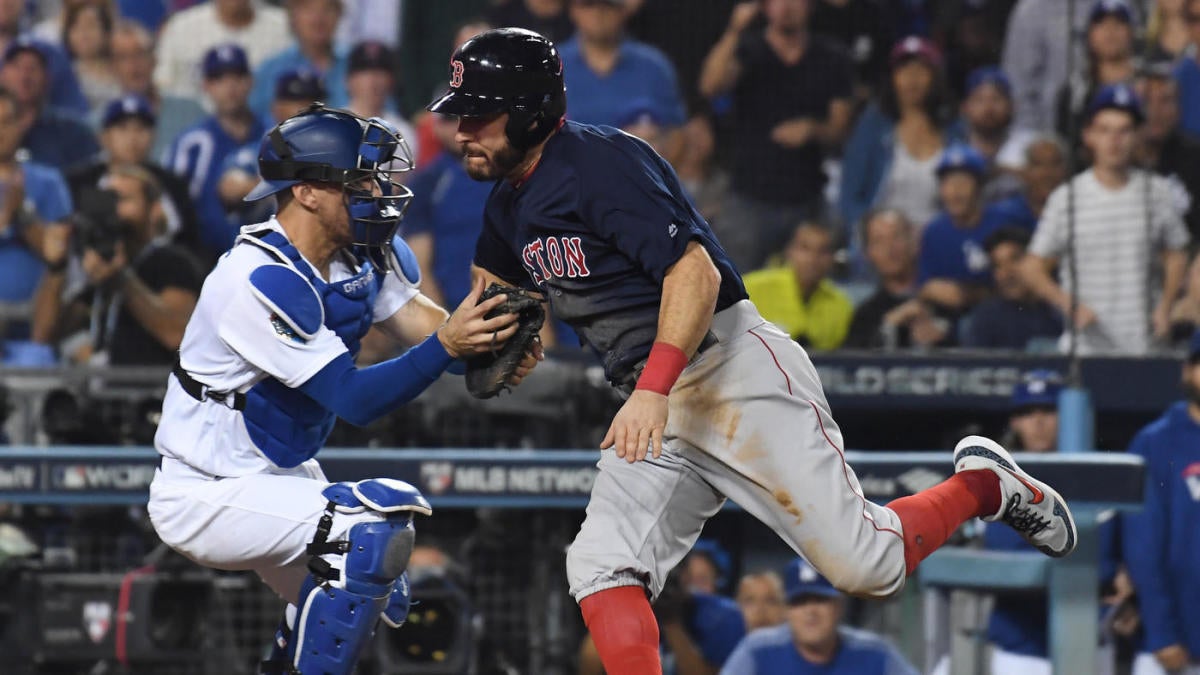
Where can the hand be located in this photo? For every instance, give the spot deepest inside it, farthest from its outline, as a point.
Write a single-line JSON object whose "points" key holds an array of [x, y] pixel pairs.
{"points": [[14, 194], [1161, 319], [466, 332], [905, 313], [637, 424], [1084, 316], [100, 271], [795, 132], [56, 241], [528, 363], [741, 16], [928, 330], [1173, 657]]}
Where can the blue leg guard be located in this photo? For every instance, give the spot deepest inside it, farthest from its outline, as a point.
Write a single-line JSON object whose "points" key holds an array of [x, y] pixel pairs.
{"points": [[340, 608], [396, 612]]}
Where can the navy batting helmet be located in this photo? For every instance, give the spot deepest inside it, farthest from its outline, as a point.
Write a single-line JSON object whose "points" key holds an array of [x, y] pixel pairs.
{"points": [[330, 145], [508, 70]]}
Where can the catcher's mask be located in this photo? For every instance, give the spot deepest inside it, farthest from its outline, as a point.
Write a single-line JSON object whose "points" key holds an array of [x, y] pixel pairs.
{"points": [[363, 156]]}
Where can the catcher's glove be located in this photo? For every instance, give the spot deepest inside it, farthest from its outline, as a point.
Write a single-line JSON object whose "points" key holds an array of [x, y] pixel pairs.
{"points": [[488, 374]]}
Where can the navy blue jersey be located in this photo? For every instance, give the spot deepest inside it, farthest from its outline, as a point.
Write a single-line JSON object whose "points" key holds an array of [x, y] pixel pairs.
{"points": [[596, 227]]}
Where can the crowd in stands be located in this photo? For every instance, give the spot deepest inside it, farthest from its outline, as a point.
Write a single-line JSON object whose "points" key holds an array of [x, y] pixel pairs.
{"points": [[902, 175]]}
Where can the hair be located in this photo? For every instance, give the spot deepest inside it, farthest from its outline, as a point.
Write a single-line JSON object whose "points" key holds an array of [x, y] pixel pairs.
{"points": [[770, 576], [151, 188], [873, 214], [1051, 138], [935, 100], [72, 15], [1009, 234], [130, 27]]}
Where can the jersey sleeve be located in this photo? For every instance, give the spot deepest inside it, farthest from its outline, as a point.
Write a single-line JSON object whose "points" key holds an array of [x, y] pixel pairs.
{"points": [[1050, 237], [393, 295], [51, 198], [494, 254], [741, 661], [256, 333]]}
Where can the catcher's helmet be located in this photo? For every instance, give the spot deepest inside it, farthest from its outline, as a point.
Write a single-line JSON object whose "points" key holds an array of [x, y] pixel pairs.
{"points": [[330, 145], [507, 70]]}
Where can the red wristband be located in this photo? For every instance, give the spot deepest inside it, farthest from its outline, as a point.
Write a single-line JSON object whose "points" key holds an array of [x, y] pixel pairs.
{"points": [[663, 366]]}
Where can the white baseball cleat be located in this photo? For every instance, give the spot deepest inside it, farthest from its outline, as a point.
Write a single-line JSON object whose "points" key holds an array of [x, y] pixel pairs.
{"points": [[1034, 509]]}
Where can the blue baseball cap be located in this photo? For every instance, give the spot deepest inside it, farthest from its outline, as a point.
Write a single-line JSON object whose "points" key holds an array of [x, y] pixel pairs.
{"points": [[1194, 347], [803, 579], [125, 107], [1037, 389], [989, 75], [25, 44], [225, 59], [1116, 97], [299, 84], [962, 157], [1106, 8]]}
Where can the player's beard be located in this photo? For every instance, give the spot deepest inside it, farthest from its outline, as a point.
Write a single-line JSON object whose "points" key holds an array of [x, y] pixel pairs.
{"points": [[497, 166]]}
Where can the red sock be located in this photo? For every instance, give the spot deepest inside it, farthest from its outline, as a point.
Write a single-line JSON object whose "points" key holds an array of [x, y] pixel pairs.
{"points": [[624, 630], [931, 516]]}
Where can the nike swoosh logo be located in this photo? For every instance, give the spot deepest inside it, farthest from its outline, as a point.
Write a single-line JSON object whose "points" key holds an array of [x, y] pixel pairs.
{"points": [[1038, 495]]}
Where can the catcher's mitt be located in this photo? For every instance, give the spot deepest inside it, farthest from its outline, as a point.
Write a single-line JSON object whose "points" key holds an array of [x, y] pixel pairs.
{"points": [[488, 374]]}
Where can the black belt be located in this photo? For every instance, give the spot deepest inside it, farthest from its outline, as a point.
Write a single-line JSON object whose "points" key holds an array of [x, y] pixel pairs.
{"points": [[628, 382], [202, 392]]}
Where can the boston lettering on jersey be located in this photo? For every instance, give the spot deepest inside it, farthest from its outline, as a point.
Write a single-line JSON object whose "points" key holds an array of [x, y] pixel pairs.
{"points": [[596, 227]]}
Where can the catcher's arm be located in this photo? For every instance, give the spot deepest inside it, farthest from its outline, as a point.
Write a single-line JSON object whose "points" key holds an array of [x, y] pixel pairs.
{"points": [[415, 321]]}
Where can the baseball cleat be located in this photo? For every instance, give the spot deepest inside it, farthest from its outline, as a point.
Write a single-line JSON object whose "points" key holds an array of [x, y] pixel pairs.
{"points": [[1034, 509]]}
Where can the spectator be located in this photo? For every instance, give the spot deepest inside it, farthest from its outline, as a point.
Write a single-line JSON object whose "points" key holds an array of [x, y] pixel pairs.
{"points": [[444, 219], [1185, 315], [1161, 549], [128, 125], [603, 67], [1110, 60], [1013, 318], [87, 35], [295, 90], [706, 568], [864, 30], [188, 35], [1187, 72], [987, 115], [51, 136], [798, 296], [63, 88], [1166, 149], [1167, 30], [1036, 56], [891, 156], [658, 23], [812, 640], [239, 175], [370, 21], [953, 267], [1045, 168], [369, 84], [548, 17], [314, 24], [971, 35], [1124, 218], [891, 248], [791, 93], [199, 153], [34, 201], [1033, 420], [142, 290], [760, 595], [133, 65]]}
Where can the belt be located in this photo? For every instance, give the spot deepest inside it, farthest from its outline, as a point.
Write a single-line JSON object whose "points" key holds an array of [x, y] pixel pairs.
{"points": [[627, 383], [201, 392]]}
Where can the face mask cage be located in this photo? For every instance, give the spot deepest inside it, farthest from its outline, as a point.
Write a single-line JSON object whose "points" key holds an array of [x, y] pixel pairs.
{"points": [[375, 199]]}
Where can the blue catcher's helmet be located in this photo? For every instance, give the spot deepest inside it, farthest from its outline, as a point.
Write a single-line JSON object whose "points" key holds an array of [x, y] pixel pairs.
{"points": [[331, 145]]}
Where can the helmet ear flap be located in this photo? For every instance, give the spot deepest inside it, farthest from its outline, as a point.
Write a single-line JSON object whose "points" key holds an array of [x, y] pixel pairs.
{"points": [[526, 128]]}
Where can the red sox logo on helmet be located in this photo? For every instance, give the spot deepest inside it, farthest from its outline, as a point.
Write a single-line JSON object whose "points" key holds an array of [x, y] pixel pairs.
{"points": [[456, 73]]}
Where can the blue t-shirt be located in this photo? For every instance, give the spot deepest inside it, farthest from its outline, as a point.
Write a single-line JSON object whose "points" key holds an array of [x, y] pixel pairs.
{"points": [[595, 227], [771, 651], [999, 323], [1187, 74], [269, 71], [448, 205], [641, 73], [1015, 211], [957, 253], [59, 139], [198, 156], [46, 194], [716, 626]]}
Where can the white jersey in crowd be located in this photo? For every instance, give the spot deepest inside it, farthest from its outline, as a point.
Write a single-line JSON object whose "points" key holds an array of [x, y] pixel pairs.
{"points": [[232, 343], [1119, 237]]}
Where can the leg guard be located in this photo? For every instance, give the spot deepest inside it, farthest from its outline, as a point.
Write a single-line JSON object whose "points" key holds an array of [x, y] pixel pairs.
{"points": [[396, 612], [340, 608]]}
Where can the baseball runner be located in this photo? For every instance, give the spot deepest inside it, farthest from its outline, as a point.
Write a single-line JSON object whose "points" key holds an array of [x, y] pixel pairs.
{"points": [[721, 404], [267, 363]]}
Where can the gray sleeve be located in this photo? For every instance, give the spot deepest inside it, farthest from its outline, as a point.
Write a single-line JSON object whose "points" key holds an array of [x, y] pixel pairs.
{"points": [[1024, 61], [1050, 237], [741, 661]]}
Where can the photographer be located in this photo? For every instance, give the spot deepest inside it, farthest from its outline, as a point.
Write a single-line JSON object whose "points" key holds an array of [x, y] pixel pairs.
{"points": [[32, 197], [140, 290]]}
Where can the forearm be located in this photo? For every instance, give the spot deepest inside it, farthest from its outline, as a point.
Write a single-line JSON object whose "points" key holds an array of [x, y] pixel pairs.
{"points": [[416, 320], [720, 71], [47, 307], [1174, 268], [1037, 278], [164, 321], [688, 659], [831, 132], [689, 297], [362, 395]]}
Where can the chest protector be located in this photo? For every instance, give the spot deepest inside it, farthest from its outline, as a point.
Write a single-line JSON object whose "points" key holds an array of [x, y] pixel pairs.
{"points": [[285, 425]]}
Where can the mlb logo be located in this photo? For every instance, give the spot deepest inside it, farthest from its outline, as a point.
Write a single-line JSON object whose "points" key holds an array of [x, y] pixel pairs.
{"points": [[97, 619], [437, 476]]}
